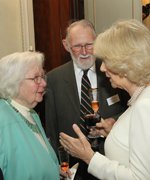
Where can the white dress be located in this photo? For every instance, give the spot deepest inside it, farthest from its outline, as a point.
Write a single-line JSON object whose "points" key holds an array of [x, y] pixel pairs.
{"points": [[127, 147]]}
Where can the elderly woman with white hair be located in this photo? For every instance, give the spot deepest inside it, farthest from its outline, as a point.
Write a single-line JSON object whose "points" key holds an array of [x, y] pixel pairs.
{"points": [[125, 53], [25, 152]]}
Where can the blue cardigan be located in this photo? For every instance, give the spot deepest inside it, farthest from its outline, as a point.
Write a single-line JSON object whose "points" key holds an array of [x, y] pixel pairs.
{"points": [[22, 156]]}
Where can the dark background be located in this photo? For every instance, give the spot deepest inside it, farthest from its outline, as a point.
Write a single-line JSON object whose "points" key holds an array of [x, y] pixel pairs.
{"points": [[51, 18]]}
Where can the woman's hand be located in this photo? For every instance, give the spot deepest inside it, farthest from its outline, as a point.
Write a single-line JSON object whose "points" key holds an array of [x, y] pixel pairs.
{"points": [[77, 147], [65, 174], [105, 126]]}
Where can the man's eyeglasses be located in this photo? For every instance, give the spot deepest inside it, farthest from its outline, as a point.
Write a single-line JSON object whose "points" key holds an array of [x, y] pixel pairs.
{"points": [[37, 79], [78, 47]]}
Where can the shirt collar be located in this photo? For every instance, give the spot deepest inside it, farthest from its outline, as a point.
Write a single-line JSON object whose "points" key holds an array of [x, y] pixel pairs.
{"points": [[19, 106], [79, 70]]}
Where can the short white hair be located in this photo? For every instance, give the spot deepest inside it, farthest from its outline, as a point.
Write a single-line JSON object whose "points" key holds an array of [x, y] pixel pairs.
{"points": [[83, 23], [13, 69]]}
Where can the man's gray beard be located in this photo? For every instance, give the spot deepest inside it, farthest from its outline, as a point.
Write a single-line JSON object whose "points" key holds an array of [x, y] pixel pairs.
{"points": [[87, 64]]}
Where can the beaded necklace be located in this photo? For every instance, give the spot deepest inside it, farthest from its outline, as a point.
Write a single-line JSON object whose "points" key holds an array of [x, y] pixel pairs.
{"points": [[33, 127], [135, 95]]}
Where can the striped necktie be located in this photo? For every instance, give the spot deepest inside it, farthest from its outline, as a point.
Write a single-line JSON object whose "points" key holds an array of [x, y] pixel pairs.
{"points": [[85, 106]]}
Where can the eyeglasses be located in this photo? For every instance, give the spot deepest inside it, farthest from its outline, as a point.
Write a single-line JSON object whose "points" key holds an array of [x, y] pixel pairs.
{"points": [[78, 47], [37, 79]]}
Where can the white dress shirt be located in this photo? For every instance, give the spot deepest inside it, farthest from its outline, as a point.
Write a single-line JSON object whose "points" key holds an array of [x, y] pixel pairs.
{"points": [[91, 75]]}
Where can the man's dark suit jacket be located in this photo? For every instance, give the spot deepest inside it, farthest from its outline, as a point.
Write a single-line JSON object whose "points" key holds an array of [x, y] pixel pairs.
{"points": [[62, 102], [1, 175]]}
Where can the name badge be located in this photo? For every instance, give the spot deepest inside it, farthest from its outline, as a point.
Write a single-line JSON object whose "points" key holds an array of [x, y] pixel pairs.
{"points": [[113, 99]]}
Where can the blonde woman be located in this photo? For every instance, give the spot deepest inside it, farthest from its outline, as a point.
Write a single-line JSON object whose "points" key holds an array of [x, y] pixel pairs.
{"points": [[125, 53]]}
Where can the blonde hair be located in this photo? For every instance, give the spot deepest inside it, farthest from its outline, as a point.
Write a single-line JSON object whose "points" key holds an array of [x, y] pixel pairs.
{"points": [[125, 49]]}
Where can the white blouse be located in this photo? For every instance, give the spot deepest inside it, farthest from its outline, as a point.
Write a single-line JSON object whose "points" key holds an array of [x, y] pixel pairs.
{"points": [[127, 147]]}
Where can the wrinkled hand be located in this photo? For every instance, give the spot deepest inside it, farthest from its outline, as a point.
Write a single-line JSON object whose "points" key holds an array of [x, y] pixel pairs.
{"points": [[77, 147], [105, 126]]}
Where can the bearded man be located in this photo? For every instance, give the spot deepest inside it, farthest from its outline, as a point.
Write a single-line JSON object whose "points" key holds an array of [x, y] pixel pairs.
{"points": [[63, 96]]}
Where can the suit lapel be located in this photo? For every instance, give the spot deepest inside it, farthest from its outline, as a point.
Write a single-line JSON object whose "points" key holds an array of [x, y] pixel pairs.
{"points": [[71, 87], [100, 75]]}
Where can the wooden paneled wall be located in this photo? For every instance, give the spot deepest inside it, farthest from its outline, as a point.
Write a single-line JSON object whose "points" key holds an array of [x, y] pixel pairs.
{"points": [[51, 17]]}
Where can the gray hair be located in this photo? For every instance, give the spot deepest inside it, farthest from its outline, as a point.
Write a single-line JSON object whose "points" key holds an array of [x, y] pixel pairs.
{"points": [[125, 49], [13, 69], [84, 23]]}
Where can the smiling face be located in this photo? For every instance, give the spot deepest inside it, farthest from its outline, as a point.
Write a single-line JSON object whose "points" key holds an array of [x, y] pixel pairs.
{"points": [[31, 93], [83, 37]]}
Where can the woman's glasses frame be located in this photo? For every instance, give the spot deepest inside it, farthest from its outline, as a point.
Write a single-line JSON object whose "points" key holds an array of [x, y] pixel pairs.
{"points": [[37, 79]]}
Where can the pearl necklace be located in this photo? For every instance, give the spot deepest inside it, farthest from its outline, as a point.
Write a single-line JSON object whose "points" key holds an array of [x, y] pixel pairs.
{"points": [[135, 95], [33, 127]]}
